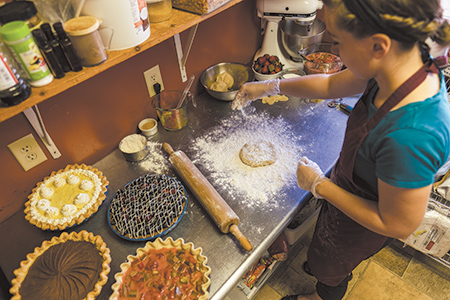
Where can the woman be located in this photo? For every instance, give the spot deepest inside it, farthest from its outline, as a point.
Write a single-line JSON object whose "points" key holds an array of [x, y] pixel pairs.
{"points": [[397, 137]]}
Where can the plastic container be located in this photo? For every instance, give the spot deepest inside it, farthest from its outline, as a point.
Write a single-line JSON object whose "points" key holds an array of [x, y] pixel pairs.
{"points": [[13, 88], [21, 11], [17, 36], [86, 40], [159, 10]]}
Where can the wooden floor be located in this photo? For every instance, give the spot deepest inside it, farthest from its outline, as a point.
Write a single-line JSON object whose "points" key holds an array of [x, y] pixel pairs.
{"points": [[396, 272]]}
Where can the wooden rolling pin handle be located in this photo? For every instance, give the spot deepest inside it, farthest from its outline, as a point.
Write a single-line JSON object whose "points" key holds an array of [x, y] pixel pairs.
{"points": [[245, 243], [168, 148]]}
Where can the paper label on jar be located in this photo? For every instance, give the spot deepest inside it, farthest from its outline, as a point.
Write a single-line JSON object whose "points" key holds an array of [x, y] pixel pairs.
{"points": [[7, 78], [140, 14]]}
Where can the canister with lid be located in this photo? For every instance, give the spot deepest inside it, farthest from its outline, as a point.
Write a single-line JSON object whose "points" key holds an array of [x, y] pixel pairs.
{"points": [[86, 40], [17, 36]]}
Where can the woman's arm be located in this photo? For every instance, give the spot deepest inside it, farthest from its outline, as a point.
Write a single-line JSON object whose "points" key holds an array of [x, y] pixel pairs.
{"points": [[397, 214], [323, 86], [320, 86]]}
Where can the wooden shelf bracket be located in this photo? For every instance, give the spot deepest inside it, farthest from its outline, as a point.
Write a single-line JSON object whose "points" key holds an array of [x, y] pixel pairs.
{"points": [[183, 55], [34, 117]]}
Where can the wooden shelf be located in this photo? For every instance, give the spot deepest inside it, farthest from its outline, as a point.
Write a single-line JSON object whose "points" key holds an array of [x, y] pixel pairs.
{"points": [[179, 22]]}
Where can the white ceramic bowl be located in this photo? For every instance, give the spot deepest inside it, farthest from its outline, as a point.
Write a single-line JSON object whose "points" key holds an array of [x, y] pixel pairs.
{"points": [[262, 77]]}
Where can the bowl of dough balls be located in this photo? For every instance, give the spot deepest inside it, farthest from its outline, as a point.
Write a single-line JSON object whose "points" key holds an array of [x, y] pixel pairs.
{"points": [[223, 80]]}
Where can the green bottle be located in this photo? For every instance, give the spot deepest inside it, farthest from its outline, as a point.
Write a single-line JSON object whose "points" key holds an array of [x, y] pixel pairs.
{"points": [[17, 36]]}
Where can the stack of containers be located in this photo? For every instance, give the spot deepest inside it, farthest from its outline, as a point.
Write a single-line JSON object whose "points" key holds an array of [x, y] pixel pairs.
{"points": [[34, 52]]}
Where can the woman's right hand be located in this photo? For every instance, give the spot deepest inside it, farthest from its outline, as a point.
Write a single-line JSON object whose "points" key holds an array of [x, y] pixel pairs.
{"points": [[252, 91]]}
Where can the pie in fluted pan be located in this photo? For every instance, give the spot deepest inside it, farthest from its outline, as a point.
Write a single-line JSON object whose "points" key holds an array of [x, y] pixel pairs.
{"points": [[163, 269], [69, 267], [66, 197]]}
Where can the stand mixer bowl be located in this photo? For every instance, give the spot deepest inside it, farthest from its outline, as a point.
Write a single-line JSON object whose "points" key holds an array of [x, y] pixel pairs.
{"points": [[296, 37]]}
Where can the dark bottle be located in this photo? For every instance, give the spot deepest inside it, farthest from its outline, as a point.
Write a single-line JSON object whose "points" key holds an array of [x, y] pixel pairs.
{"points": [[48, 53], [13, 88], [57, 49], [67, 47]]}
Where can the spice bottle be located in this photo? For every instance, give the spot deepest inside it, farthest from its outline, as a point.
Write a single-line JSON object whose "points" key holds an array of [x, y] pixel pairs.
{"points": [[54, 43], [66, 45], [49, 53], [20, 11], [13, 88], [17, 36]]}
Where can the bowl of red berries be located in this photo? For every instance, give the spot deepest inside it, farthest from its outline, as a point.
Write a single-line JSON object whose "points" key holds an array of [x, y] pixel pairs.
{"points": [[267, 67]]}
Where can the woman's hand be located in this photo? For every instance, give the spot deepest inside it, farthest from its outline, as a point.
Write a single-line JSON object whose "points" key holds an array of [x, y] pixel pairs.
{"points": [[252, 91], [309, 175]]}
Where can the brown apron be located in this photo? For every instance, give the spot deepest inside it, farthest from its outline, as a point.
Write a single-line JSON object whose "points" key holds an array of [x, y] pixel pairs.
{"points": [[339, 243]]}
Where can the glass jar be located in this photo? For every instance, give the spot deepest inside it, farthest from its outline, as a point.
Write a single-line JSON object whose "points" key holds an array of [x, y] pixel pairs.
{"points": [[13, 88]]}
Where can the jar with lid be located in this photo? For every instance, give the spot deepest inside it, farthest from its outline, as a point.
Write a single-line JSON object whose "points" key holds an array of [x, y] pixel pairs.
{"points": [[21, 11], [159, 10], [13, 87], [17, 36]]}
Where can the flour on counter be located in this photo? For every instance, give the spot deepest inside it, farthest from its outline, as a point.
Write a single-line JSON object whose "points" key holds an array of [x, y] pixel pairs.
{"points": [[156, 161], [218, 152]]}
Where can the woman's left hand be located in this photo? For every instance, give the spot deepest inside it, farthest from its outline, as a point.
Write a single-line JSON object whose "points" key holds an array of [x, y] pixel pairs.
{"points": [[309, 175]]}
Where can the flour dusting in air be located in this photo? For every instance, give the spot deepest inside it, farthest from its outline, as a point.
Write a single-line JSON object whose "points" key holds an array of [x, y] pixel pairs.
{"points": [[218, 152]]}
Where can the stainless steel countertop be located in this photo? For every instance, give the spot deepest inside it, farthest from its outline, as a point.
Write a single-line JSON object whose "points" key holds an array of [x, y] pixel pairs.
{"points": [[322, 130]]}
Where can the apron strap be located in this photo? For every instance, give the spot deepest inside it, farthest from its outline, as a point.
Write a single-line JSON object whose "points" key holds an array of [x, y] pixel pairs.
{"points": [[401, 92]]}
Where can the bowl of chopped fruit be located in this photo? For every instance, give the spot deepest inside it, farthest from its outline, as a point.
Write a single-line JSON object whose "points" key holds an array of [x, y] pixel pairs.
{"points": [[321, 59], [267, 67]]}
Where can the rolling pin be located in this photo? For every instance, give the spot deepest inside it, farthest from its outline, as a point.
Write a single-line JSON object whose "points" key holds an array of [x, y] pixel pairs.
{"points": [[222, 214]]}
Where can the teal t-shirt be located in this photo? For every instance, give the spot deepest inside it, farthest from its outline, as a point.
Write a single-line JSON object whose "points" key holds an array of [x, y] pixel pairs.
{"points": [[409, 145]]}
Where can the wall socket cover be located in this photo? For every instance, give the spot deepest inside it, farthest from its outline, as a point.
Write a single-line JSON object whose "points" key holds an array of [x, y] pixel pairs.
{"points": [[151, 77], [27, 152]]}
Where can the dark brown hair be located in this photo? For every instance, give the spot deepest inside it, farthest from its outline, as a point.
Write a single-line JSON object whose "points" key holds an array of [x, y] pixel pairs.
{"points": [[407, 21]]}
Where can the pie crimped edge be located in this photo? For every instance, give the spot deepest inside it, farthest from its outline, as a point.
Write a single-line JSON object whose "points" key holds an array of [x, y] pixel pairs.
{"points": [[22, 272], [75, 220], [159, 244]]}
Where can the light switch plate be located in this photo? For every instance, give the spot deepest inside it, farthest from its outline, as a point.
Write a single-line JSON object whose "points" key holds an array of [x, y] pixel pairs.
{"points": [[27, 152]]}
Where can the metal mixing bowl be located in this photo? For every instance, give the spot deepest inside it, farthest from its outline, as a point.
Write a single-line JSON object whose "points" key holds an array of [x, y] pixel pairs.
{"points": [[296, 37], [241, 74], [136, 140]]}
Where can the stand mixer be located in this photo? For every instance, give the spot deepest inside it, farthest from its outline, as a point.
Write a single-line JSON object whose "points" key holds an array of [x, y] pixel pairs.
{"points": [[272, 12]]}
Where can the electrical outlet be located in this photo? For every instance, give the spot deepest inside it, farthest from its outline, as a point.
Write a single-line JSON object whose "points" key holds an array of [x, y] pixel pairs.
{"points": [[27, 152], [153, 76]]}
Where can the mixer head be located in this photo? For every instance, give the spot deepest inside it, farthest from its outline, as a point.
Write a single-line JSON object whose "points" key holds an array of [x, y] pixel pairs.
{"points": [[302, 11]]}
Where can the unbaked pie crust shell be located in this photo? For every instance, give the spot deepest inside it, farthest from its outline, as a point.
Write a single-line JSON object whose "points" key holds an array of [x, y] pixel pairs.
{"points": [[83, 235], [76, 220], [159, 244]]}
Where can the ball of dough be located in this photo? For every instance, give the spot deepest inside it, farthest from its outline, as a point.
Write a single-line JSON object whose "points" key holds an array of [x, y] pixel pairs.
{"points": [[258, 154], [227, 78], [219, 86]]}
